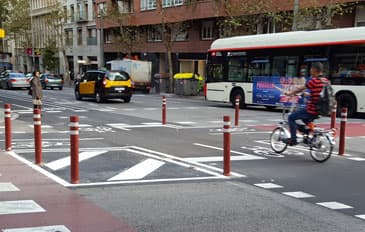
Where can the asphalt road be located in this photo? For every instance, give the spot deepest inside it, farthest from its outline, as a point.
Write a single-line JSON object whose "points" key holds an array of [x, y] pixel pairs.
{"points": [[169, 177]]}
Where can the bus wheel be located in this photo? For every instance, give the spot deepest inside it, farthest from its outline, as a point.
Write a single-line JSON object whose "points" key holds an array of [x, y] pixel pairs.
{"points": [[239, 93], [346, 100]]}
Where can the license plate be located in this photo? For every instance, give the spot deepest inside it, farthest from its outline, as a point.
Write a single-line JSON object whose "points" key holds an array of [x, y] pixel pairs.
{"points": [[119, 89]]}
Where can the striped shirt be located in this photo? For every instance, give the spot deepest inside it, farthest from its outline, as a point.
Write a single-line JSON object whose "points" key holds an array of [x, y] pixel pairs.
{"points": [[315, 86]]}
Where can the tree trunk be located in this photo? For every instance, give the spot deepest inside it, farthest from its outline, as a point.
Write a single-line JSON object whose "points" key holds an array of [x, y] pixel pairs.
{"points": [[66, 75], [171, 73]]}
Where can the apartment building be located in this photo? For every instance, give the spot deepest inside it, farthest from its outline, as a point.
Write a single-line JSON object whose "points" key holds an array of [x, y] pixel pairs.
{"points": [[82, 39], [199, 22]]}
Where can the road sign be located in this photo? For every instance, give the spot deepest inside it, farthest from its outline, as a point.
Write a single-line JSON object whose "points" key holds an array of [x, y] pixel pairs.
{"points": [[2, 33]]}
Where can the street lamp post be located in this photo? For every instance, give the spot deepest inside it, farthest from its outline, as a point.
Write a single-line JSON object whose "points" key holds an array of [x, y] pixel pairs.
{"points": [[101, 20]]}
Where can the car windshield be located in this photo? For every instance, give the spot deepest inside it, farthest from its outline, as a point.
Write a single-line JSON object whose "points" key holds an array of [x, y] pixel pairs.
{"points": [[117, 76], [53, 77], [16, 75]]}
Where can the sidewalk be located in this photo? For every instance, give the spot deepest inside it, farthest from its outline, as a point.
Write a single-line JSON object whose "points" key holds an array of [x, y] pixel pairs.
{"points": [[28, 199]]}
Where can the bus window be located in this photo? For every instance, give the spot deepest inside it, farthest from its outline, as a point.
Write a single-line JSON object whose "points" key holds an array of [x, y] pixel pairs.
{"points": [[214, 72], [284, 66], [349, 68], [236, 69], [323, 60], [259, 67]]}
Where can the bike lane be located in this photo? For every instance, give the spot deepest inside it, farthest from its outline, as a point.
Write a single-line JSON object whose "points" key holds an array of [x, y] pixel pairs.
{"points": [[29, 200]]}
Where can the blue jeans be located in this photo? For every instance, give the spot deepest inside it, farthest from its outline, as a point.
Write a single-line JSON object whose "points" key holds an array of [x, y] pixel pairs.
{"points": [[300, 114]]}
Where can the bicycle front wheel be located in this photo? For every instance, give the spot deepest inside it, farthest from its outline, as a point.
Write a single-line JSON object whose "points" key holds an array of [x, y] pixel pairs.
{"points": [[276, 140], [321, 148]]}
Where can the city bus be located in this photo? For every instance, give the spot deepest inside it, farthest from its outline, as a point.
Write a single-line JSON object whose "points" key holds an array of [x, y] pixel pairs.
{"points": [[257, 68]]}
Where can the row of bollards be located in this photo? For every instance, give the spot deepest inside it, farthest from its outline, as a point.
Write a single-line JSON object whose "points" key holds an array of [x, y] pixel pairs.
{"points": [[74, 136], [37, 124]]}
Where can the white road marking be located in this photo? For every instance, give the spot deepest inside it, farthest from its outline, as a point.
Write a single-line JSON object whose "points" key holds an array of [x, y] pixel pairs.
{"points": [[298, 194], [151, 108], [53, 111], [58, 228], [356, 159], [8, 187], [43, 126], [139, 171], [248, 156], [23, 206], [85, 125], [218, 158], [334, 205], [268, 185], [66, 161], [361, 216], [80, 111], [186, 123]]}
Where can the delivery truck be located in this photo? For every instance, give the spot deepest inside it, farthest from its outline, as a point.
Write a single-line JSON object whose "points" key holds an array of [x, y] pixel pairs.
{"points": [[138, 70]]}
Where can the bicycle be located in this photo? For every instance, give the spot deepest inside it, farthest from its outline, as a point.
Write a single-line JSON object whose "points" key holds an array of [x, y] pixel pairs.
{"points": [[319, 140]]}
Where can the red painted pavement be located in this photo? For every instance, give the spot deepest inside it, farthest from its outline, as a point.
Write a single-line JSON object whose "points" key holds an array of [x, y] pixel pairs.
{"points": [[353, 129], [63, 206]]}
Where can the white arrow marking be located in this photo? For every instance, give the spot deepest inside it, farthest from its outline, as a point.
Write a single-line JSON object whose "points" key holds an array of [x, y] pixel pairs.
{"points": [[64, 162], [139, 171]]}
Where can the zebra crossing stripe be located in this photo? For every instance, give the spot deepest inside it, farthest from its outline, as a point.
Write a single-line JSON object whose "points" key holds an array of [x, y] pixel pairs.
{"points": [[17, 207], [57, 228], [8, 187]]}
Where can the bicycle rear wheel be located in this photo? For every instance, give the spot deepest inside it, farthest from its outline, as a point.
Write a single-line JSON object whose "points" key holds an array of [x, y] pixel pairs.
{"points": [[321, 148], [276, 140]]}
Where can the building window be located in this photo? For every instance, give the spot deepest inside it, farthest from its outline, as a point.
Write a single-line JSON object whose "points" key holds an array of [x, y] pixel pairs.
{"points": [[169, 3], [69, 37], [207, 32], [72, 13], [148, 4], [125, 6], [79, 36], [65, 14], [360, 16], [154, 35], [108, 35], [181, 36], [91, 38]]}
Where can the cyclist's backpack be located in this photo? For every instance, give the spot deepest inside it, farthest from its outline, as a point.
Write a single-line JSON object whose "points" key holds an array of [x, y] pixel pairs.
{"points": [[326, 100]]}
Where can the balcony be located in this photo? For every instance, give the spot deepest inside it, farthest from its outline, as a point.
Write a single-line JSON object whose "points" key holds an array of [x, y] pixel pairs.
{"points": [[81, 18], [92, 41]]}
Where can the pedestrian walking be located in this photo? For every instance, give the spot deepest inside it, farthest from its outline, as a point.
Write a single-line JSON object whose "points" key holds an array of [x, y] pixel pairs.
{"points": [[36, 87]]}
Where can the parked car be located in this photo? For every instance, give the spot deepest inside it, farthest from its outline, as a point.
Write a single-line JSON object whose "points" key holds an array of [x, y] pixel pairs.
{"points": [[51, 81], [101, 85], [12, 80]]}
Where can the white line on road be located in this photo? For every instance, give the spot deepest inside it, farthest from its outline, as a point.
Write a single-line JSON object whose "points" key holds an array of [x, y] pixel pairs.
{"points": [[139, 171], [298, 194], [334, 205], [361, 216], [248, 156], [268, 185], [66, 161]]}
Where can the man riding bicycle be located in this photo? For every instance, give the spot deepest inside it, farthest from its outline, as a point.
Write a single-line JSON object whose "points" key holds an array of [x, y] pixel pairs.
{"points": [[309, 113]]}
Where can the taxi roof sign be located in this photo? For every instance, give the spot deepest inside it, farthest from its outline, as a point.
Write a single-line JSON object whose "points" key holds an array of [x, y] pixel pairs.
{"points": [[2, 33]]}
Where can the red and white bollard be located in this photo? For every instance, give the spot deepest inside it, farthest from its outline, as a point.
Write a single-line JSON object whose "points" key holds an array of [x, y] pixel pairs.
{"points": [[37, 135], [163, 110], [333, 117], [74, 141], [226, 146], [341, 149], [237, 111], [7, 119]]}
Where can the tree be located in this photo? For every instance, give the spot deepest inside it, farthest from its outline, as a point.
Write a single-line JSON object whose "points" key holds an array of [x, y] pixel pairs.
{"points": [[55, 20], [249, 17], [50, 60], [128, 37], [170, 29]]}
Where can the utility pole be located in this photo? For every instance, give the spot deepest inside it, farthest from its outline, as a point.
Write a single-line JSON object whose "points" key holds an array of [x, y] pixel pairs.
{"points": [[31, 28], [101, 18], [295, 15]]}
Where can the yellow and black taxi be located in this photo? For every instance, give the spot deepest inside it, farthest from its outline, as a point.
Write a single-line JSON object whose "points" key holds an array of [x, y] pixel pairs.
{"points": [[103, 84]]}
